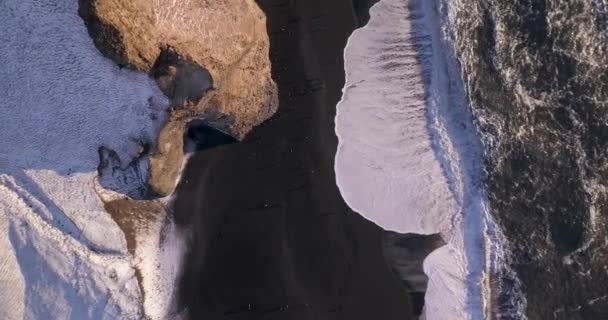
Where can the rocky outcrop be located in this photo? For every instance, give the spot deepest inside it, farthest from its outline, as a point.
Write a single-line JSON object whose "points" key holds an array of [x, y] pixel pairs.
{"points": [[210, 57]]}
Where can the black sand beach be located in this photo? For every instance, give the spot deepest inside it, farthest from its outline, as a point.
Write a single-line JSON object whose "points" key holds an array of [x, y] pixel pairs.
{"points": [[271, 236]]}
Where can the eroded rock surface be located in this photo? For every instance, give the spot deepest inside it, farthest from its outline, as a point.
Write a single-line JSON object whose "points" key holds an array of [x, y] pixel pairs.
{"points": [[209, 57]]}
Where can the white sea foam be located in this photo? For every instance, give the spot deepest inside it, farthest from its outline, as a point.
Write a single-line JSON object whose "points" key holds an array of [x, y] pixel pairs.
{"points": [[159, 252], [61, 254], [409, 157]]}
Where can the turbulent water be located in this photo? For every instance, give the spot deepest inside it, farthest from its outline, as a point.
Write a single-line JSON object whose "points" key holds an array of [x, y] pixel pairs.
{"points": [[486, 121], [537, 78]]}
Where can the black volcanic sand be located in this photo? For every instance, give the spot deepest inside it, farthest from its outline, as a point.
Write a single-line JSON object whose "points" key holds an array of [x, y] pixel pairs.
{"points": [[271, 236]]}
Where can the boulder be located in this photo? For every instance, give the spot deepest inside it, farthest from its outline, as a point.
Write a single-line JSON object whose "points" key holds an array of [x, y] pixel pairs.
{"points": [[209, 57]]}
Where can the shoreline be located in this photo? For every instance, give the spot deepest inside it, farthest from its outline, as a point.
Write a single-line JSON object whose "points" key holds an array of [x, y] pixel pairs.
{"points": [[430, 135], [270, 235]]}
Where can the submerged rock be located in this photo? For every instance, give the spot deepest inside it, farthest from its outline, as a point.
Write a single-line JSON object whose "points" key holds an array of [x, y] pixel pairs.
{"points": [[208, 57]]}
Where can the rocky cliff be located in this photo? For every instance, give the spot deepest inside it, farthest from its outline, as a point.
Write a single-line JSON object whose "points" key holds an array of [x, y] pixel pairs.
{"points": [[209, 57]]}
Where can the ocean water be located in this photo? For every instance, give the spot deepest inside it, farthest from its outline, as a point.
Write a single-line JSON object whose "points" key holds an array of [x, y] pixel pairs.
{"points": [[537, 79], [485, 122]]}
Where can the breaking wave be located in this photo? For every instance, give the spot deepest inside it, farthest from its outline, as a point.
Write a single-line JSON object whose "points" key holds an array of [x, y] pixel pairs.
{"points": [[410, 158]]}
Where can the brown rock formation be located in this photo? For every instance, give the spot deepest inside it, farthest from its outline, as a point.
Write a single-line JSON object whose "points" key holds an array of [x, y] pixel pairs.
{"points": [[209, 57]]}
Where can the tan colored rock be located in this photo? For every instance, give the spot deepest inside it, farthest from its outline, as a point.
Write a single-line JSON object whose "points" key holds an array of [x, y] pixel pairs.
{"points": [[182, 43], [123, 30], [166, 163]]}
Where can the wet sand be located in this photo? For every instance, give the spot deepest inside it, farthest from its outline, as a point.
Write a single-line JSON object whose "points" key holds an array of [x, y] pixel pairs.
{"points": [[271, 237]]}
